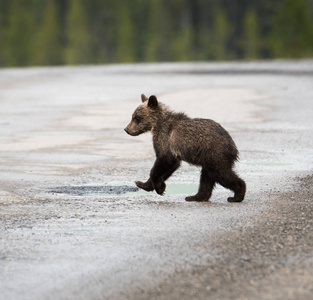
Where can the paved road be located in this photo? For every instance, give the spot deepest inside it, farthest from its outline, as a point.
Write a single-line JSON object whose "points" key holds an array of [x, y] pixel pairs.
{"points": [[74, 227]]}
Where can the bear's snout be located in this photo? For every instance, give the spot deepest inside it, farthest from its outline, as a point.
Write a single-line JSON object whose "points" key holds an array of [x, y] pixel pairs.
{"points": [[126, 130]]}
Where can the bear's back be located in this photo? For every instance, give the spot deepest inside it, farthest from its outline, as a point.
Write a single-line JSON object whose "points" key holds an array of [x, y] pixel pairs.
{"points": [[200, 141]]}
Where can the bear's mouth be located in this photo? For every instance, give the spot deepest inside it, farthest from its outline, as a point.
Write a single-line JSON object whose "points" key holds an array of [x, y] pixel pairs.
{"points": [[132, 133]]}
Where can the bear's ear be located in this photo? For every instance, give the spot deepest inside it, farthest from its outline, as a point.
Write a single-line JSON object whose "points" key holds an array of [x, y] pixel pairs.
{"points": [[153, 101], [144, 98]]}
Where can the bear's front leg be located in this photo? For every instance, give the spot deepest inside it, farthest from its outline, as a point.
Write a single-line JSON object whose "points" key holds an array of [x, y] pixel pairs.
{"points": [[160, 168]]}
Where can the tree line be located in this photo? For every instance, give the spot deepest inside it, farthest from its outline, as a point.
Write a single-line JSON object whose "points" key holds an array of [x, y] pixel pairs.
{"points": [[70, 32]]}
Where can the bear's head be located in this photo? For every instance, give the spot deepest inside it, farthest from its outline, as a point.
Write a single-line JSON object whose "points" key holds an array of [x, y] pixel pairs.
{"points": [[144, 117]]}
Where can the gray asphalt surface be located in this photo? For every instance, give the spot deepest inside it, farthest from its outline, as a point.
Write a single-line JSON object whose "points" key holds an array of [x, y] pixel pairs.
{"points": [[73, 225]]}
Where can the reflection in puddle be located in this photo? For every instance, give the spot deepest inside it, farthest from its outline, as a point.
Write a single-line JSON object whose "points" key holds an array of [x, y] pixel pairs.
{"points": [[176, 189]]}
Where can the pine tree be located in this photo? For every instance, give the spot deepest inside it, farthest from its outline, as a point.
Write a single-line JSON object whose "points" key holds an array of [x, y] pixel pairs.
{"points": [[18, 35], [140, 20], [2, 26], [204, 44], [182, 45], [158, 30], [48, 43], [220, 35], [251, 36], [292, 35], [182, 37], [202, 29], [125, 51], [101, 21], [78, 49]]}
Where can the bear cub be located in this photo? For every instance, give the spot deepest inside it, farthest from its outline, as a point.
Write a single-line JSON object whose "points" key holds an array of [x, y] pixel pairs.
{"points": [[176, 138]]}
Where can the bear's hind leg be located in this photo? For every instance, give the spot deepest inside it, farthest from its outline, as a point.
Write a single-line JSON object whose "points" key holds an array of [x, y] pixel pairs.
{"points": [[232, 181], [206, 186]]}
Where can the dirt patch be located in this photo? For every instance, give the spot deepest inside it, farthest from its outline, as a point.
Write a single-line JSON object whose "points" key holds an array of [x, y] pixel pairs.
{"points": [[271, 260]]}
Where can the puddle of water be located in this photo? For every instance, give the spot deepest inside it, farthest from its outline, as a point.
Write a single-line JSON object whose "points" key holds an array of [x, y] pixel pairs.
{"points": [[117, 190], [93, 190]]}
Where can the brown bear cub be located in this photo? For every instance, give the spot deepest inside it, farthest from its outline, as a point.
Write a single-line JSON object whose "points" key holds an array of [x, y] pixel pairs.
{"points": [[200, 142]]}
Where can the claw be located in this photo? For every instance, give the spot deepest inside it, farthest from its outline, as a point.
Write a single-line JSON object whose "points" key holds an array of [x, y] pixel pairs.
{"points": [[160, 188]]}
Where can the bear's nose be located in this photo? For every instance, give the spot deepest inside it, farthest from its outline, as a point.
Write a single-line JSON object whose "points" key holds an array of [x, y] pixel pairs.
{"points": [[126, 130]]}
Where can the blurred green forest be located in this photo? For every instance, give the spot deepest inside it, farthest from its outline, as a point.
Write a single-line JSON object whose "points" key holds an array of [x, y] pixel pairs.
{"points": [[70, 32]]}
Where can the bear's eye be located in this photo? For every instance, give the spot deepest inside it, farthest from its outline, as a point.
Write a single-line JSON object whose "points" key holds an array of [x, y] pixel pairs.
{"points": [[136, 119]]}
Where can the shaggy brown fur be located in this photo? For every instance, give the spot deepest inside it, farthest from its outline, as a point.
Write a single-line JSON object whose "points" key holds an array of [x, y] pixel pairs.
{"points": [[200, 142]]}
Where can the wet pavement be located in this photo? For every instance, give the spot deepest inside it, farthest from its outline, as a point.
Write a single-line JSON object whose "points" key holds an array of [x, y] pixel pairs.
{"points": [[73, 224]]}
